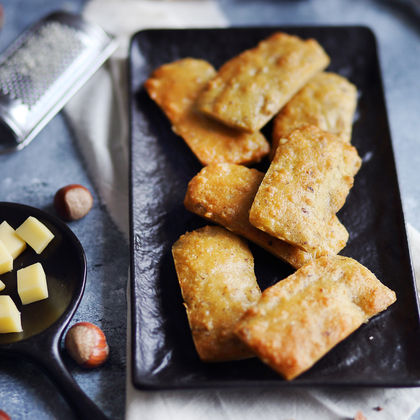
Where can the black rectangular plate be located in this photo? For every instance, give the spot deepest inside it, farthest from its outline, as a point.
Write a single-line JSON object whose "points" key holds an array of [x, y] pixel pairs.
{"points": [[383, 352]]}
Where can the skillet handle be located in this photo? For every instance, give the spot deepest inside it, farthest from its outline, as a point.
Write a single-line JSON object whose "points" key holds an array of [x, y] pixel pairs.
{"points": [[49, 358]]}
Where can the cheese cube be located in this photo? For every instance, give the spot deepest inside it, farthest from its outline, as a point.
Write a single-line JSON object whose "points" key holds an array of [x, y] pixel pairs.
{"points": [[2, 286], [6, 260], [9, 316], [12, 242], [32, 284], [35, 234]]}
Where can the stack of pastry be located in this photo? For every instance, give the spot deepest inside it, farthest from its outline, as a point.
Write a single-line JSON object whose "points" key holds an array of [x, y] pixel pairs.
{"points": [[290, 210]]}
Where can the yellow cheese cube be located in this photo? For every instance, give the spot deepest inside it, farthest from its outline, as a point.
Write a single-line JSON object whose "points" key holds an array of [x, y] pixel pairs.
{"points": [[35, 234], [32, 284], [2, 286], [6, 260], [12, 242], [9, 316]]}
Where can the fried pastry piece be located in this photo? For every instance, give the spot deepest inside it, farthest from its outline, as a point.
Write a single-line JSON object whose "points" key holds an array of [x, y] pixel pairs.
{"points": [[223, 193], [306, 184], [327, 101], [174, 87], [252, 87], [299, 319], [216, 273]]}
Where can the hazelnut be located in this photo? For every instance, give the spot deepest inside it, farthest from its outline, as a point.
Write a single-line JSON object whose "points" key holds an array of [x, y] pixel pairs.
{"points": [[73, 202], [86, 344], [4, 415]]}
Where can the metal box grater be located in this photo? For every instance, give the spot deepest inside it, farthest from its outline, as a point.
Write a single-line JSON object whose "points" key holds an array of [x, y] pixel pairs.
{"points": [[42, 70]]}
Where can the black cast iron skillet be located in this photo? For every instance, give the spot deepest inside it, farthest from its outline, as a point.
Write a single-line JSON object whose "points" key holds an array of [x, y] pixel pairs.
{"points": [[43, 322]]}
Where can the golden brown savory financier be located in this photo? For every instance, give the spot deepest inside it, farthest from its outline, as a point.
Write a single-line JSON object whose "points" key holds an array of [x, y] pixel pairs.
{"points": [[306, 184], [252, 87], [223, 193], [175, 87], [328, 101], [299, 319], [216, 273]]}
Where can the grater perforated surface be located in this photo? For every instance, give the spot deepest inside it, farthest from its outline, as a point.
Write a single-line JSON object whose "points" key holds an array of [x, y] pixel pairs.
{"points": [[35, 65], [42, 70]]}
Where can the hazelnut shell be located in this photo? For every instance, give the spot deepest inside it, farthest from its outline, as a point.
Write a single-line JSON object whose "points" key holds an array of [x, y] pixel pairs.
{"points": [[4, 415], [86, 344], [73, 202]]}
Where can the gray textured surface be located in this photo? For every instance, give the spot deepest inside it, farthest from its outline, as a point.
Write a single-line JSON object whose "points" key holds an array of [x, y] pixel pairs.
{"points": [[33, 175]]}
